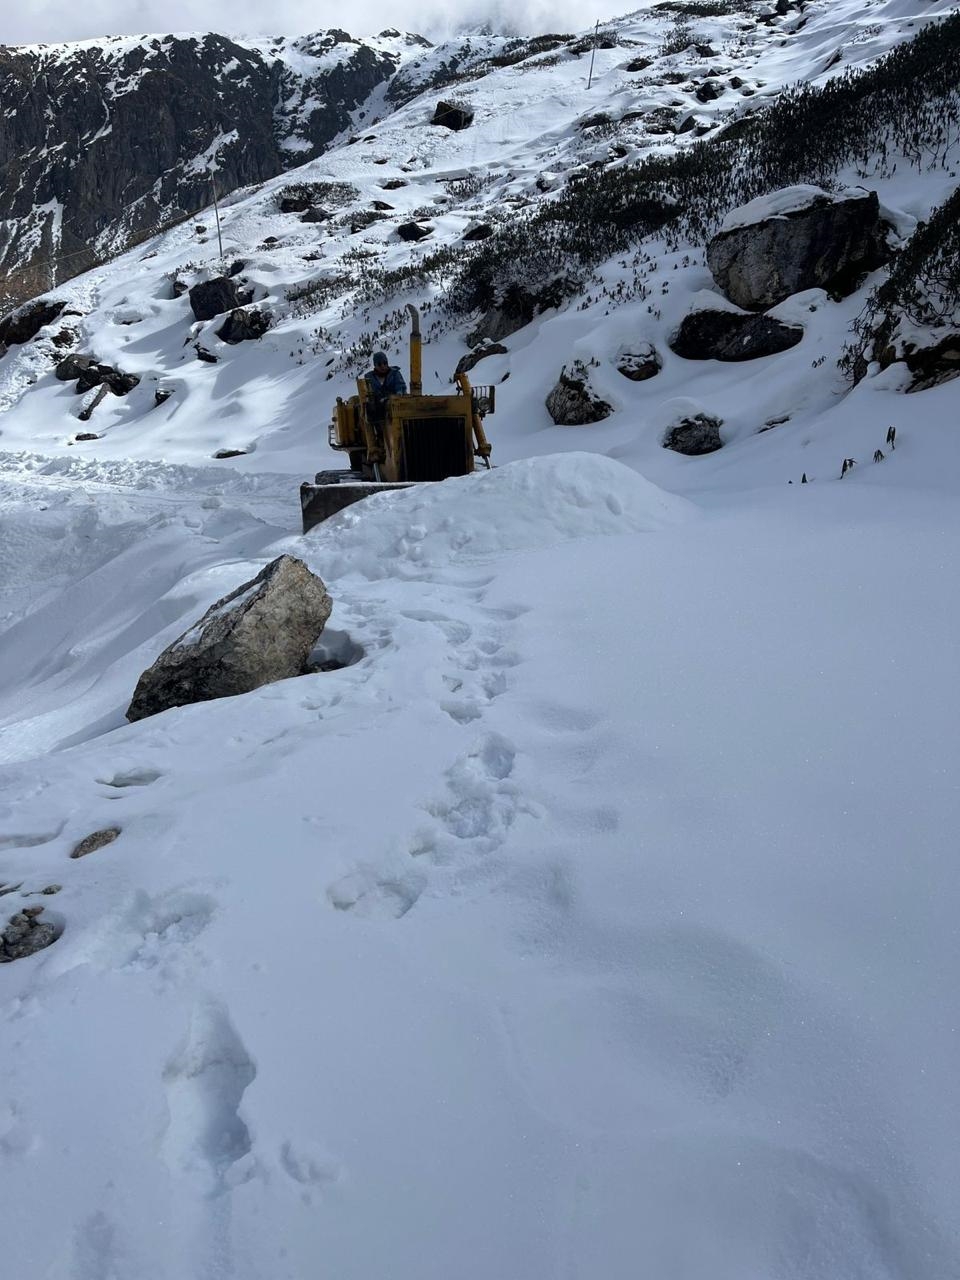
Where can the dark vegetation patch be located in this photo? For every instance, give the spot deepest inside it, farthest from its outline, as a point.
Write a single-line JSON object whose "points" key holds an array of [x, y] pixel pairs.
{"points": [[906, 107], [923, 285]]}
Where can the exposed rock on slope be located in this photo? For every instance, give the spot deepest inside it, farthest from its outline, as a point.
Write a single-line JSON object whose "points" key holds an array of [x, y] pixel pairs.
{"points": [[732, 335], [102, 143], [259, 633], [798, 238]]}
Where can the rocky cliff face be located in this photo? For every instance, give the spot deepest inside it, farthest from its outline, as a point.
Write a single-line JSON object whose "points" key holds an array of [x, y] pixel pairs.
{"points": [[104, 141]]}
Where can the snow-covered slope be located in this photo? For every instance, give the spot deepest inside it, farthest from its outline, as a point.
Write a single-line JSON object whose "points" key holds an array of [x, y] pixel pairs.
{"points": [[598, 916]]}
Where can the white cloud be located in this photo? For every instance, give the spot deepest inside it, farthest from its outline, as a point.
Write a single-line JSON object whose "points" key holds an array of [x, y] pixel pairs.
{"points": [[50, 21]]}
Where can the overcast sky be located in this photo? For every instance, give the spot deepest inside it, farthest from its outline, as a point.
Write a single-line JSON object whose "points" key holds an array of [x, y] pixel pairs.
{"points": [[48, 21]]}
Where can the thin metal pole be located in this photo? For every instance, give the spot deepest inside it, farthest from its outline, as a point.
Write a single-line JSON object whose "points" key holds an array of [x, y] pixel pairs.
{"points": [[593, 52], [216, 209]]}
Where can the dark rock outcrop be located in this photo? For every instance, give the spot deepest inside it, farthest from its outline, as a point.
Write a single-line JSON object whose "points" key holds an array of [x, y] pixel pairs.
{"points": [[245, 324], [25, 322], [934, 364], [826, 242], [101, 139], [479, 231], [694, 436], [473, 358], [413, 231], [732, 336], [453, 115], [213, 297], [260, 633], [516, 307], [88, 373], [573, 403]]}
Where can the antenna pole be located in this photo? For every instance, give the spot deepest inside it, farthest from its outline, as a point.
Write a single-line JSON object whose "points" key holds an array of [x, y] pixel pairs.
{"points": [[216, 209], [593, 52]]}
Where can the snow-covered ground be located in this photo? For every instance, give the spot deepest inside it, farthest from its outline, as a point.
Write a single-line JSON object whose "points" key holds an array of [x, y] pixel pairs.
{"points": [[598, 918]]}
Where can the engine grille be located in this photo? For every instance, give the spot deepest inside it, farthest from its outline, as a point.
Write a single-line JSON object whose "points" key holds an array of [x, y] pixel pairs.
{"points": [[434, 448]]}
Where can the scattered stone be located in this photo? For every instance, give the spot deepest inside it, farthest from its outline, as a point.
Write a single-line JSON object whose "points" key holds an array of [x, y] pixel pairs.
{"points": [[380, 205], [161, 396], [732, 335], [453, 115], [694, 436], [85, 435], [799, 238], [394, 184], [51, 889], [573, 402], [25, 322], [639, 362], [96, 840], [230, 453], [317, 215], [261, 632], [413, 231], [638, 64], [212, 298], [64, 338], [244, 325], [25, 935], [206, 356]]}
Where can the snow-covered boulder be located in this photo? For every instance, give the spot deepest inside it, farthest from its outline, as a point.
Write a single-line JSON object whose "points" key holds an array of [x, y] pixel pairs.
{"points": [[694, 435], [26, 322], [573, 402], [259, 633], [638, 361], [25, 934], [480, 352], [798, 238], [708, 334]]}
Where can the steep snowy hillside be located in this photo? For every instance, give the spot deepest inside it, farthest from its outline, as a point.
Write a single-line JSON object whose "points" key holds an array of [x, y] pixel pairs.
{"points": [[593, 914]]}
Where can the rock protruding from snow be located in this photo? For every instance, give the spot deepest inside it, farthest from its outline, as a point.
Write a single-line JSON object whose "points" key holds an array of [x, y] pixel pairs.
{"points": [[213, 297], [259, 633], [798, 238], [413, 231], [694, 436], [480, 352], [639, 361], [244, 324], [453, 115], [26, 322], [573, 402], [732, 335], [24, 935]]}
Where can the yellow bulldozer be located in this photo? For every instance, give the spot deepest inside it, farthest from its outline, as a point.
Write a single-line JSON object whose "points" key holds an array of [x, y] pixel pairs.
{"points": [[407, 440]]}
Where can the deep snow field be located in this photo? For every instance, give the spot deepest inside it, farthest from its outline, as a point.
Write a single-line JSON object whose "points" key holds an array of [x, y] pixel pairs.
{"points": [[598, 919]]}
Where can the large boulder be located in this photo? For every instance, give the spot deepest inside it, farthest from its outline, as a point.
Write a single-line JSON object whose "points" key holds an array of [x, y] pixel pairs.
{"points": [[453, 115], [213, 297], [695, 435], [516, 307], [244, 325], [573, 402], [798, 238], [27, 321], [732, 335], [261, 632]]}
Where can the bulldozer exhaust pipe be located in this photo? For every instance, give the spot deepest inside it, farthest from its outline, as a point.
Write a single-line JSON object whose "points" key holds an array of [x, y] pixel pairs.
{"points": [[416, 361]]}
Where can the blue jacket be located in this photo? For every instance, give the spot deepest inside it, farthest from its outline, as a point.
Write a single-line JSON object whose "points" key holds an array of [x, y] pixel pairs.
{"points": [[391, 385]]}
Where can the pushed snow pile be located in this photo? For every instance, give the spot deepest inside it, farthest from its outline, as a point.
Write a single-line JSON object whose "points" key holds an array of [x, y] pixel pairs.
{"points": [[526, 506]]}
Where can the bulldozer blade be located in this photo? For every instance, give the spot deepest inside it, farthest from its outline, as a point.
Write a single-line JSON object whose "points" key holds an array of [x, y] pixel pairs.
{"points": [[319, 502]]}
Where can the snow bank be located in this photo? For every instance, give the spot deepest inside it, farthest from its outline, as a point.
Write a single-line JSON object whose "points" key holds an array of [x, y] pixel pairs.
{"points": [[524, 506]]}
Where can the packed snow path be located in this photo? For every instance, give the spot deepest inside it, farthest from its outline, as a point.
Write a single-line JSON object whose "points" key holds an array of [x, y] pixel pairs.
{"points": [[579, 923]]}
